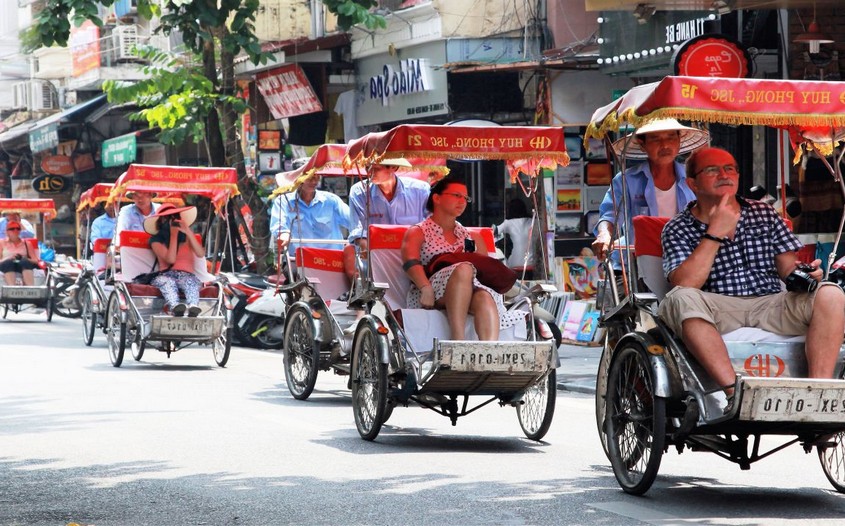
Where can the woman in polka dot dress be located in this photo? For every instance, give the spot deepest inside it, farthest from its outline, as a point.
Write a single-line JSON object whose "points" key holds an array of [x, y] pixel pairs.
{"points": [[454, 288]]}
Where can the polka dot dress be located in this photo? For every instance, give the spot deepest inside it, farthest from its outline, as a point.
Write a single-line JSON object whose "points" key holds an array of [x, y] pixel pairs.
{"points": [[435, 244]]}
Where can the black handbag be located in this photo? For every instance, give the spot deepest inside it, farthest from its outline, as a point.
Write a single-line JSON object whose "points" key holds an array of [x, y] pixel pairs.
{"points": [[148, 277]]}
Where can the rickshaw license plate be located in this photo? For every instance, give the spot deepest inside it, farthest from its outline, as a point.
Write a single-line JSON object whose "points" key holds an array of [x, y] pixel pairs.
{"points": [[23, 293], [509, 357], [797, 404], [185, 327]]}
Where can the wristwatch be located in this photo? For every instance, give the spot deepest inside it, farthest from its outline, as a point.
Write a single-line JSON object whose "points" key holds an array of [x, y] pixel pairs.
{"points": [[711, 237]]}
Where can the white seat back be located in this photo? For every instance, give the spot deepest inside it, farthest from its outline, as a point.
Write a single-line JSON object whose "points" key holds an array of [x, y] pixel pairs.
{"points": [[98, 256], [326, 265], [136, 257], [385, 242]]}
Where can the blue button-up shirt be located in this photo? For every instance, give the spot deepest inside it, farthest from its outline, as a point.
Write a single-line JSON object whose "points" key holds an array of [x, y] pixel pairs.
{"points": [[641, 201], [406, 208], [102, 228], [130, 218], [323, 218]]}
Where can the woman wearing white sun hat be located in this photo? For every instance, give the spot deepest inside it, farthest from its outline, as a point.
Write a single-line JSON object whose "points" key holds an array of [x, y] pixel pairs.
{"points": [[656, 187]]}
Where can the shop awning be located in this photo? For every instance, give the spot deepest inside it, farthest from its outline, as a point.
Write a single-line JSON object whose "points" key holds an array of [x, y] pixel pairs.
{"points": [[45, 133], [17, 133]]}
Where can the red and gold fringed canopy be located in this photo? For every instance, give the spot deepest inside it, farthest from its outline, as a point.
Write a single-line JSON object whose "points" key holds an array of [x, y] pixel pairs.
{"points": [[101, 192], [218, 184], [526, 149], [327, 161], [812, 111], [29, 206]]}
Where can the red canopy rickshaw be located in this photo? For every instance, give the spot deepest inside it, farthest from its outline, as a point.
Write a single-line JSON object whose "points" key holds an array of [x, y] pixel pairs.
{"points": [[650, 393]]}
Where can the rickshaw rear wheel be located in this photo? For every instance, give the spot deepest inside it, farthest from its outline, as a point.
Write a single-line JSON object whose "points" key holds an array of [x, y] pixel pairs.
{"points": [[89, 317], [832, 458], [301, 353], [136, 343], [50, 302], [115, 332], [537, 409], [222, 347], [369, 382], [636, 420]]}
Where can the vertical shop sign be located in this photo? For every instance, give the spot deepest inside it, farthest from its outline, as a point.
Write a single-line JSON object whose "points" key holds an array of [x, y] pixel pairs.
{"points": [[287, 92], [85, 47]]}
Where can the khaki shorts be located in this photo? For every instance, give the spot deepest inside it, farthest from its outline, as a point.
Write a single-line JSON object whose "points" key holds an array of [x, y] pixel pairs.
{"points": [[785, 313]]}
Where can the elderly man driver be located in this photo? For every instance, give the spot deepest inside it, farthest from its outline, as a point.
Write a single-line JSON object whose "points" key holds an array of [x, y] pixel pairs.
{"points": [[656, 187]]}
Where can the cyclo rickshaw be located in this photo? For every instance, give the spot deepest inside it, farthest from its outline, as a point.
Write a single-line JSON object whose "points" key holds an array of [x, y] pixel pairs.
{"points": [[19, 297], [318, 273], [92, 289], [402, 355], [133, 314], [650, 392]]}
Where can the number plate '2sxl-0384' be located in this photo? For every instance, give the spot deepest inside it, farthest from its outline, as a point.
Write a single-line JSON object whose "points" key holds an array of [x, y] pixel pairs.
{"points": [[793, 400]]}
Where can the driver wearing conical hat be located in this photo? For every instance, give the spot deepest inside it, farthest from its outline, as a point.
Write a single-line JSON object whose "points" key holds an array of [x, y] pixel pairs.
{"points": [[656, 187]]}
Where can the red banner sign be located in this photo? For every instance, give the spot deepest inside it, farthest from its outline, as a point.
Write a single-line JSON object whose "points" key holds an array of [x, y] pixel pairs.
{"points": [[45, 206], [287, 92], [218, 184], [85, 47]]}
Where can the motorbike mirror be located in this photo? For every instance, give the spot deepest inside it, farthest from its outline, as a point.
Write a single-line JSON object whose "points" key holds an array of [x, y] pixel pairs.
{"points": [[757, 192]]}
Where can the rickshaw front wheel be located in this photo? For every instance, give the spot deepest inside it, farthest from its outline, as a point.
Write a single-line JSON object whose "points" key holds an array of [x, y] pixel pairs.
{"points": [[832, 458], [5, 310], [115, 332], [89, 317], [369, 381], [301, 353], [537, 409], [636, 420]]}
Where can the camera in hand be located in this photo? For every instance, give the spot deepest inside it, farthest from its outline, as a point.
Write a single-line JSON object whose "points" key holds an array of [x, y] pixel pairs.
{"points": [[18, 257], [800, 280]]}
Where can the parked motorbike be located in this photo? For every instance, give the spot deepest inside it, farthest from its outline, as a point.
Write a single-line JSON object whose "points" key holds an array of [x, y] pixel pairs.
{"points": [[257, 310], [65, 276], [267, 312]]}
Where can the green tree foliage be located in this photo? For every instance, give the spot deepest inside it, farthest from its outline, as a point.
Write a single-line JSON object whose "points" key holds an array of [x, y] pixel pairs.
{"points": [[193, 97]]}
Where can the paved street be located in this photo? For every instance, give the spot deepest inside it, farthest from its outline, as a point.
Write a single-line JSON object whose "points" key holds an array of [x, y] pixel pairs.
{"points": [[181, 441]]}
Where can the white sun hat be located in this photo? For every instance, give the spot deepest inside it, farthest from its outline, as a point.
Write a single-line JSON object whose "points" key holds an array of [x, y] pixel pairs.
{"points": [[691, 138]]}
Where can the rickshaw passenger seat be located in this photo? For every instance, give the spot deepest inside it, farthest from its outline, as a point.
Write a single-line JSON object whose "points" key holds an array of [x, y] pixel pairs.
{"points": [[649, 255], [98, 255], [421, 325], [326, 265]]}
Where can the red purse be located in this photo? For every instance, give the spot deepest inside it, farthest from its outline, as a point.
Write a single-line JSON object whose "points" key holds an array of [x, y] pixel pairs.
{"points": [[489, 271]]}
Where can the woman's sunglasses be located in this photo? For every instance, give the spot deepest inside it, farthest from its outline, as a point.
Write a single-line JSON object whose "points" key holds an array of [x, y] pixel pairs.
{"points": [[13, 229]]}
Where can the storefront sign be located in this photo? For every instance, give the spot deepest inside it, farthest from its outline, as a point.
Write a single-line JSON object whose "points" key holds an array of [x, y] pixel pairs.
{"points": [[44, 138], [402, 90], [287, 92], [57, 165], [712, 56], [49, 184], [119, 151], [83, 162], [411, 77]]}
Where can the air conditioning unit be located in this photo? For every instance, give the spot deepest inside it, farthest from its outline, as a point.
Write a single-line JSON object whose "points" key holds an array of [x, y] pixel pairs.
{"points": [[20, 95], [42, 97], [124, 38]]}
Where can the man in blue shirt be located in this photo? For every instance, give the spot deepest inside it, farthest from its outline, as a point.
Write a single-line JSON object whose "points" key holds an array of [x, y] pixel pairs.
{"points": [[393, 201], [308, 213], [131, 217], [656, 187], [103, 226], [727, 257]]}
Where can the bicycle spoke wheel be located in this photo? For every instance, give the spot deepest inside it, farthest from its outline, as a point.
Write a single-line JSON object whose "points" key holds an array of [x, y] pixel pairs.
{"points": [[832, 458], [538, 407], [222, 347], [115, 332], [89, 317], [636, 421], [369, 382], [301, 354]]}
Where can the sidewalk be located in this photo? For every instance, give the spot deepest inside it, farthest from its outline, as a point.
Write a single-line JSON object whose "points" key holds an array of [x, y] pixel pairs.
{"points": [[578, 367]]}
